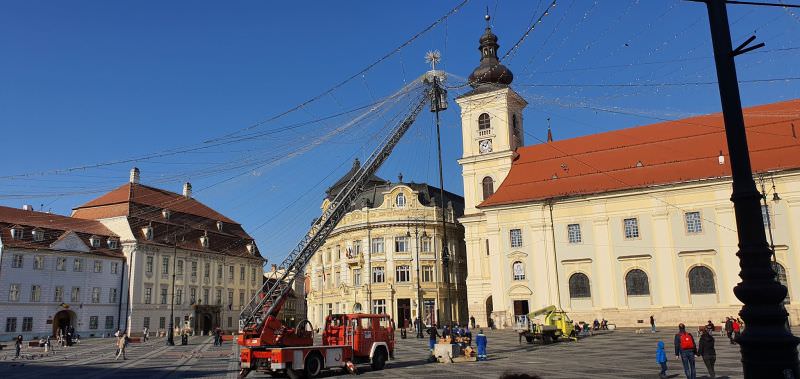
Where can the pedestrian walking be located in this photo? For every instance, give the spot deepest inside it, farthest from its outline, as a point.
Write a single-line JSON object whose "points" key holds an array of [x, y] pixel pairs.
{"points": [[145, 332], [737, 329], [652, 324], [661, 359], [729, 328], [122, 343], [481, 342], [706, 350], [472, 322], [17, 345], [433, 333], [685, 349]]}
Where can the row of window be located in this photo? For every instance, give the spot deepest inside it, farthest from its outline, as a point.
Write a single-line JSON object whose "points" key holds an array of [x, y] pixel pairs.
{"points": [[179, 266], [701, 281], [402, 244], [402, 275], [14, 294], [40, 263], [147, 296], [693, 223], [18, 233], [27, 323]]}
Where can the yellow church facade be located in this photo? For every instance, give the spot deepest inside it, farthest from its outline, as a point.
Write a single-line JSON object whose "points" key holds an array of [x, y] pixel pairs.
{"points": [[618, 225]]}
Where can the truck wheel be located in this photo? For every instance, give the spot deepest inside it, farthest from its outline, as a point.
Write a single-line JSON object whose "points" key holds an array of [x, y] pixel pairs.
{"points": [[379, 359], [313, 365]]}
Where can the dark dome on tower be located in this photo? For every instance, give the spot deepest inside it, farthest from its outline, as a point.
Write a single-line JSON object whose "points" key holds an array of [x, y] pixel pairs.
{"points": [[490, 71]]}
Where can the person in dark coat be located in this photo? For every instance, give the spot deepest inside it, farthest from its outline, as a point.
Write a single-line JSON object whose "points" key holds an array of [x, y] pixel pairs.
{"points": [[706, 350], [652, 324], [472, 321], [729, 328], [686, 349], [433, 333], [17, 345]]}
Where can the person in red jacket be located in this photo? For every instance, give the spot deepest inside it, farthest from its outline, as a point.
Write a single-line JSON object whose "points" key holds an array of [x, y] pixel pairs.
{"points": [[737, 329]]}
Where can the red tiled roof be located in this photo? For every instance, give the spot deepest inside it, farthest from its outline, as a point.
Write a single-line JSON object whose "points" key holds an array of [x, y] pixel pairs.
{"points": [[651, 155], [54, 227], [113, 203]]}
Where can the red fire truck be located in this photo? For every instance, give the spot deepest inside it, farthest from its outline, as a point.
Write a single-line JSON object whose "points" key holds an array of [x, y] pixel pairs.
{"points": [[347, 339]]}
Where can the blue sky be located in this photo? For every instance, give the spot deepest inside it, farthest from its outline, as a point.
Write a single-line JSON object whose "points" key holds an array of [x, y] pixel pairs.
{"points": [[90, 82]]}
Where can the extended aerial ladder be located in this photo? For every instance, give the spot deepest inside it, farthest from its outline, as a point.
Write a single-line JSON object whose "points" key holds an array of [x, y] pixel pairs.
{"points": [[258, 321]]}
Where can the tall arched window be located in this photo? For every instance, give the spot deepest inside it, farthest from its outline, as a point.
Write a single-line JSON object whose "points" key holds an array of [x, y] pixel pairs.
{"points": [[636, 283], [484, 122], [488, 187], [400, 200], [701, 280], [579, 286], [780, 276], [519, 270]]}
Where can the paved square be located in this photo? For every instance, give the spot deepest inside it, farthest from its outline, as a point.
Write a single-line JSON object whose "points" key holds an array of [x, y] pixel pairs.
{"points": [[618, 354]]}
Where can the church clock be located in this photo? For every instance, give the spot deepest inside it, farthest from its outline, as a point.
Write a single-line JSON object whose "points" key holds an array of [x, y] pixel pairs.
{"points": [[485, 146]]}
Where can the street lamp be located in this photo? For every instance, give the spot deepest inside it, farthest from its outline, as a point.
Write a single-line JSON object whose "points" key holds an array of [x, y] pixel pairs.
{"points": [[171, 331]]}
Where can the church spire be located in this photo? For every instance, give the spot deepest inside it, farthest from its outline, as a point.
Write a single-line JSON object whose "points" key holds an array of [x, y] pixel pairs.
{"points": [[549, 132], [489, 71]]}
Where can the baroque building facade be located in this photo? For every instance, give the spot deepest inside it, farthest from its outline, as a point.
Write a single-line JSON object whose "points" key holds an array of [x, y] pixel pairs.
{"points": [[618, 225], [171, 238], [385, 256], [58, 271]]}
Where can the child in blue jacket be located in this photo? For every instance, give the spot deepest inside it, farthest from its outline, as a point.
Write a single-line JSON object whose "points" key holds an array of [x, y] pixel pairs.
{"points": [[480, 341], [661, 359]]}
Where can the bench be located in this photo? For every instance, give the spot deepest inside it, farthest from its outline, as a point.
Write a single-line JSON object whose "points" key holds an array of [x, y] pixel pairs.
{"points": [[717, 329]]}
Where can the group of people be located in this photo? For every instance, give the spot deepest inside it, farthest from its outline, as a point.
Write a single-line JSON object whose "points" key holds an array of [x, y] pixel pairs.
{"points": [[217, 337], [733, 328], [686, 349], [450, 333]]}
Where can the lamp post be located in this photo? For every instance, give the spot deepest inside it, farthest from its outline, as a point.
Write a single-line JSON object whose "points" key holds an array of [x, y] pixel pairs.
{"points": [[768, 348], [419, 289], [171, 331]]}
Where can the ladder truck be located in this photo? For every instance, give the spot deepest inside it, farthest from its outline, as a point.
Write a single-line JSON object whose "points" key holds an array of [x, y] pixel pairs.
{"points": [[348, 339]]}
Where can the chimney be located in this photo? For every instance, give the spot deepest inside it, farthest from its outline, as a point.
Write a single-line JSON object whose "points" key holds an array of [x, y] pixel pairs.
{"points": [[134, 175], [187, 190], [27, 207]]}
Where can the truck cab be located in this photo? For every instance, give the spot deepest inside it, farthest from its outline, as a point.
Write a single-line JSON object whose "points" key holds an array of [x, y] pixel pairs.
{"points": [[371, 336]]}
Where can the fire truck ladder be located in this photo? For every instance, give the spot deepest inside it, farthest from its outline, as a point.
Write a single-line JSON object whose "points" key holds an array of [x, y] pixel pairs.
{"points": [[270, 298]]}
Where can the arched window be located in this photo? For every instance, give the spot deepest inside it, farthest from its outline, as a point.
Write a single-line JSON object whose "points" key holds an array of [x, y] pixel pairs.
{"points": [[519, 270], [701, 280], [579, 286], [400, 200], [484, 122], [488, 187], [636, 283], [780, 276]]}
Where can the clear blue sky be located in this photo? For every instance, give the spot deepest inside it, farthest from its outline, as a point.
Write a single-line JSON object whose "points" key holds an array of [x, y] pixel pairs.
{"points": [[87, 82]]}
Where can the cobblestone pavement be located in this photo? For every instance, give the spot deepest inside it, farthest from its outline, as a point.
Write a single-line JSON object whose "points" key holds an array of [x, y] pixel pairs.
{"points": [[618, 354]]}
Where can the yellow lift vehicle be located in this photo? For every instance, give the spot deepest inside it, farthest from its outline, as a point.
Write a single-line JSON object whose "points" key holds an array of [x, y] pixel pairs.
{"points": [[555, 326]]}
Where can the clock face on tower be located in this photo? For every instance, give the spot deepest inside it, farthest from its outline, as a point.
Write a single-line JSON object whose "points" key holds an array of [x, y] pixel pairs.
{"points": [[485, 146]]}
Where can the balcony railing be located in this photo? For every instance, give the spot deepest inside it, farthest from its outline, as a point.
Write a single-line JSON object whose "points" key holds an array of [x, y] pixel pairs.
{"points": [[484, 132]]}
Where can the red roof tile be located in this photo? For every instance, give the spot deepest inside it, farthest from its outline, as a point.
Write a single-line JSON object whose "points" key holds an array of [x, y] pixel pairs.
{"points": [[651, 155], [113, 204]]}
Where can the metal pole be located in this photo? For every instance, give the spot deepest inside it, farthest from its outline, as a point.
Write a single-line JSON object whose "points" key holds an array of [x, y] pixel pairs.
{"points": [[768, 218], [170, 332], [445, 254], [419, 289], [768, 349]]}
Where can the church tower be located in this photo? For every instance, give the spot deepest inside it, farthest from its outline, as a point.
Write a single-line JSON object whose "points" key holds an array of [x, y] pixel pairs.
{"points": [[491, 124]]}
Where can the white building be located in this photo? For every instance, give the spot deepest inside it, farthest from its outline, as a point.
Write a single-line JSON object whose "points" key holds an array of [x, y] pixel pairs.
{"points": [[57, 271], [171, 238]]}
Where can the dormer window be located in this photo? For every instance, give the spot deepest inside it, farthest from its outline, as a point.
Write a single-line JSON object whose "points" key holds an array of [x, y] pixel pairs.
{"points": [[166, 213], [251, 247], [113, 243], [400, 200], [148, 232], [94, 241], [17, 232], [219, 225], [204, 241], [484, 122], [38, 234]]}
